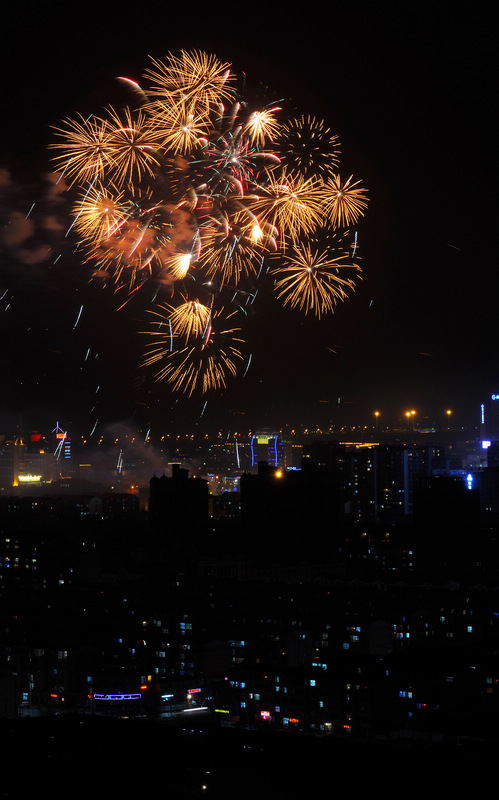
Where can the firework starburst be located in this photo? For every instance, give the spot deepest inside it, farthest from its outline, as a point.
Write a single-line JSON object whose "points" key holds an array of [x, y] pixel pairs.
{"points": [[308, 145], [315, 281], [191, 193], [345, 201]]}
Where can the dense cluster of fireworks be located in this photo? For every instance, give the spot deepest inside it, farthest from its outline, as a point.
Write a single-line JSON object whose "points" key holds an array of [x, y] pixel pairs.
{"points": [[195, 190]]}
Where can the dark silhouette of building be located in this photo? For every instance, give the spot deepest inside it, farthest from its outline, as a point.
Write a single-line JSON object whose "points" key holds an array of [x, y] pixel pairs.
{"points": [[291, 515], [446, 523], [179, 503]]}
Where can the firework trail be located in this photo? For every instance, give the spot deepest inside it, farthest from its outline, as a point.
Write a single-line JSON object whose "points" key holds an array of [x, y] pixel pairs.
{"points": [[192, 189]]}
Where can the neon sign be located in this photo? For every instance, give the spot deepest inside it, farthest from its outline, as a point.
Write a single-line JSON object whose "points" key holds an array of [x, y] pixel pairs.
{"points": [[114, 697]]}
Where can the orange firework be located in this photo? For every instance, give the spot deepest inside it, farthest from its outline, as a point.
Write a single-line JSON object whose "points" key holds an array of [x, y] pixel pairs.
{"points": [[197, 77], [291, 203], [202, 365], [86, 149], [190, 193], [315, 282], [345, 201]]}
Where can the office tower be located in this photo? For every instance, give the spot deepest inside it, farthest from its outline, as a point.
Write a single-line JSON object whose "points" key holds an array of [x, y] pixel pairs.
{"points": [[270, 446]]}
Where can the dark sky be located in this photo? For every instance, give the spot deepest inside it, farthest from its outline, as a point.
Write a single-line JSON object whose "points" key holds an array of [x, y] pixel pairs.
{"points": [[410, 90]]}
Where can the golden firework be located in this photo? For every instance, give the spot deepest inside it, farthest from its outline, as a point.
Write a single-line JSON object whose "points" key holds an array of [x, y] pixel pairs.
{"points": [[291, 203], [230, 252], [345, 201], [99, 214], [86, 149], [313, 281], [133, 147], [197, 77], [194, 190], [204, 365], [178, 125], [176, 265], [262, 125], [191, 319], [309, 146]]}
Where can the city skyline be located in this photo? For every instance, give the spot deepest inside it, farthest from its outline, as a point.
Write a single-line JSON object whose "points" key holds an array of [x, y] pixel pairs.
{"points": [[411, 111]]}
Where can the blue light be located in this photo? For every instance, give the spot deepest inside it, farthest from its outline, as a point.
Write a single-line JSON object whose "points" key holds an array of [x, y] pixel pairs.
{"points": [[469, 480], [252, 451]]}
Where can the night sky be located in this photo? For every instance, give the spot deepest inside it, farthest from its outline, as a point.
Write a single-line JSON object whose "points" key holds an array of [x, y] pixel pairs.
{"points": [[410, 90]]}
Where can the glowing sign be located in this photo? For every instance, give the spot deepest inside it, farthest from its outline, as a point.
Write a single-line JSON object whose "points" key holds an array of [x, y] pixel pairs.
{"points": [[265, 714], [469, 480], [114, 697], [221, 711], [30, 478], [485, 444], [193, 691], [195, 710], [495, 396]]}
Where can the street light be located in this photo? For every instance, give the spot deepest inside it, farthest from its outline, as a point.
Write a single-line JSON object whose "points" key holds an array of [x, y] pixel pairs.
{"points": [[410, 414]]}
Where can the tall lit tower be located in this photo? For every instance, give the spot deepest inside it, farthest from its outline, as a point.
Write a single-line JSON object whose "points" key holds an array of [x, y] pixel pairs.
{"points": [[489, 419], [269, 446], [62, 451]]}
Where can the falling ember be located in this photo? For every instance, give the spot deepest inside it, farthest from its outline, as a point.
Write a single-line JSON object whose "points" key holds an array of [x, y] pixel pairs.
{"points": [[191, 192]]}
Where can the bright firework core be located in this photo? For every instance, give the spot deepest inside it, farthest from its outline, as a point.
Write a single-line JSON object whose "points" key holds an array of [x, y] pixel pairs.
{"points": [[195, 190]]}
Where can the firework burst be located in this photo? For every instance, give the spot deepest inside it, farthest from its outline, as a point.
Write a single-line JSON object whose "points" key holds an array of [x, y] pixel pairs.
{"points": [[293, 204], [208, 358], [308, 145], [314, 281], [190, 193], [86, 149], [99, 213], [345, 201], [197, 77]]}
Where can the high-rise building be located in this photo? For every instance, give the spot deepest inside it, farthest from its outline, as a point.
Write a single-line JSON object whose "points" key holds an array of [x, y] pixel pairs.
{"points": [[62, 450], [179, 502], [270, 446], [489, 419], [287, 512]]}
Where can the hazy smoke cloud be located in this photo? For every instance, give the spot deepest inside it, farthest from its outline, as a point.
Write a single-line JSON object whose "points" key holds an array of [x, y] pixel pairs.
{"points": [[140, 460], [33, 222]]}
